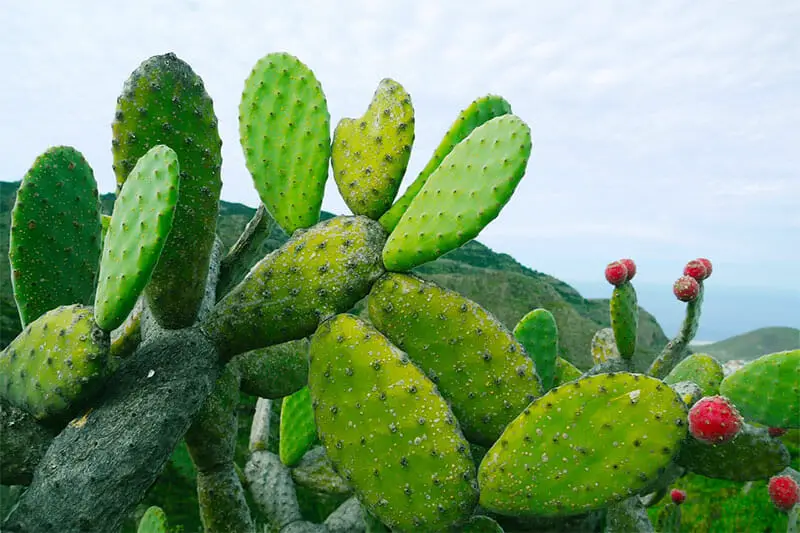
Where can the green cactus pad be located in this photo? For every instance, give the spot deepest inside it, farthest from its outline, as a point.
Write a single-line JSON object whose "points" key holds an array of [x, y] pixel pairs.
{"points": [[624, 319], [479, 524], [284, 129], [154, 520], [142, 219], [604, 346], [105, 221], [387, 431], [55, 234], [751, 456], [316, 274], [466, 192], [565, 372], [165, 102], [701, 369], [370, 154], [480, 111], [55, 364], [583, 446], [298, 431], [538, 333], [476, 363], [767, 390], [275, 371]]}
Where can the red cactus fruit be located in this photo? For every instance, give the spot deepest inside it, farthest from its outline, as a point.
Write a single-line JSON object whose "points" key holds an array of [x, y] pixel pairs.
{"points": [[784, 492], [678, 496], [686, 289], [696, 269], [776, 432], [714, 420], [707, 264], [631, 266], [616, 273]]}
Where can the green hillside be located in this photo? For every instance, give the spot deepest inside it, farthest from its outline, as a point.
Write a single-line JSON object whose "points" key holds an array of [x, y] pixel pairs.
{"points": [[753, 344]]}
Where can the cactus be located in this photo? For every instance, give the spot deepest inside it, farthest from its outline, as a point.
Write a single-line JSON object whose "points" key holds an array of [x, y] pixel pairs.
{"points": [[538, 333], [154, 520], [604, 346], [701, 369], [624, 319], [298, 431]]}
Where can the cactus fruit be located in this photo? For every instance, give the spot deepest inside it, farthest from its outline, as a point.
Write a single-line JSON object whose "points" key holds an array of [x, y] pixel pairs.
{"points": [[466, 192], [538, 333], [624, 311], [284, 129], [701, 369], [776, 432], [604, 346], [316, 274], [767, 390], [479, 111], [298, 431], [370, 154], [476, 363], [616, 273], [154, 520], [698, 269], [55, 234], [387, 431], [621, 429], [784, 492], [714, 420], [142, 220], [677, 496], [165, 102], [686, 289], [630, 266], [55, 364]]}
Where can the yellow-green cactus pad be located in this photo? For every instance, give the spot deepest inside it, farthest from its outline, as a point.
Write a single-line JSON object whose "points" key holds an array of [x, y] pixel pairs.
{"points": [[387, 431], [55, 234], [565, 372], [56, 364], [624, 311], [476, 363], [583, 446], [284, 129], [370, 153], [767, 390], [604, 347], [464, 194], [701, 369], [298, 431], [142, 219], [538, 333], [154, 520]]}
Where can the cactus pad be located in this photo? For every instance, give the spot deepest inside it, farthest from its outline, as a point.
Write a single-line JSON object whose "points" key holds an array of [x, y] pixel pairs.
{"points": [[565, 372], [480, 524], [139, 227], [538, 333], [387, 431], [165, 102], [466, 192], [298, 431], [701, 369], [55, 234], [767, 390], [154, 520], [284, 128], [604, 346], [370, 154], [583, 446], [478, 112], [476, 363], [624, 318], [55, 364]]}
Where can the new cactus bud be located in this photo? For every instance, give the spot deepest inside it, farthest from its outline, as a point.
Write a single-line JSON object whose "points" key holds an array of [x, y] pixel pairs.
{"points": [[696, 269], [686, 289], [784, 492], [714, 420], [616, 273], [678, 496]]}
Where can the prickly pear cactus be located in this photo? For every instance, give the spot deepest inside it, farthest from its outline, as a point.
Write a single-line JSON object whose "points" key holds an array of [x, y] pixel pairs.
{"points": [[701, 369], [538, 333], [154, 520], [298, 431], [624, 318], [604, 346]]}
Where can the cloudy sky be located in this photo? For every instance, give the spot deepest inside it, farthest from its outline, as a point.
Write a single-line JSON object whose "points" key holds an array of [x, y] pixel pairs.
{"points": [[662, 130]]}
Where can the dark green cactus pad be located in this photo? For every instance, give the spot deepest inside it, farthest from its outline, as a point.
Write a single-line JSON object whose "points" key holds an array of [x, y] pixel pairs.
{"points": [[315, 473], [583, 446], [387, 431], [56, 363], [316, 274], [538, 333], [677, 348], [701, 369], [275, 371], [370, 153], [466, 192], [479, 524], [298, 430], [624, 318], [751, 456], [767, 390], [476, 363], [142, 220], [165, 102], [55, 234], [284, 129], [154, 520], [565, 372], [480, 111]]}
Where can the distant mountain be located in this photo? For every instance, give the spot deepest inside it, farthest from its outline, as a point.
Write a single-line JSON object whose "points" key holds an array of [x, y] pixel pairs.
{"points": [[753, 344]]}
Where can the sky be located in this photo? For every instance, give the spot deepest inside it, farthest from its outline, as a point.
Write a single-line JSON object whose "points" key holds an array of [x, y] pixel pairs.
{"points": [[663, 131]]}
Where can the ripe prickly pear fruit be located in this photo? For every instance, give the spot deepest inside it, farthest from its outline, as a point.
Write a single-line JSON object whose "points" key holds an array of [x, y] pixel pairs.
{"points": [[387, 431], [370, 154], [616, 273], [678, 496], [696, 269], [776, 432], [714, 420], [686, 289], [707, 264], [630, 266], [784, 492]]}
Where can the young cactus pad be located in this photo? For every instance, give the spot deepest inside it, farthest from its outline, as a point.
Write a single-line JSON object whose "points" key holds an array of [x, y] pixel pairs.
{"points": [[284, 129], [154, 520], [538, 333], [476, 363], [55, 364], [767, 390], [464, 194], [165, 102], [139, 227], [55, 234], [370, 154], [298, 431], [387, 431], [583, 446], [478, 112], [624, 318], [701, 369], [316, 274]]}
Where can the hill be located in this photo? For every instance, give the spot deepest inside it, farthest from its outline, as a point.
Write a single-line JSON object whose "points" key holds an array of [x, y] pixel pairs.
{"points": [[749, 346]]}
